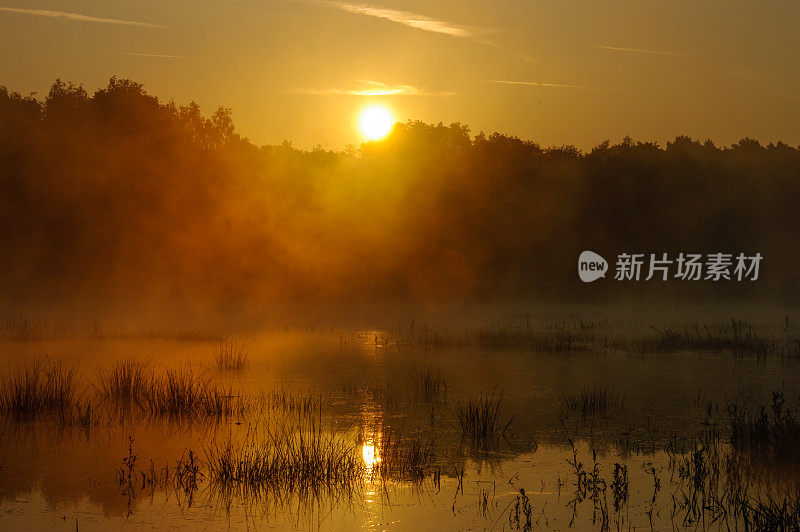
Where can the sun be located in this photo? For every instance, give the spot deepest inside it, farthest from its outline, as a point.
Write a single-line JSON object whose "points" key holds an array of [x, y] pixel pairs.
{"points": [[375, 122]]}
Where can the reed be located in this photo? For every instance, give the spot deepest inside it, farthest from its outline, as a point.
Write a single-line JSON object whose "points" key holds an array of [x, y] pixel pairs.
{"points": [[126, 381], [770, 513], [589, 401], [280, 399], [480, 418], [28, 328], [105, 331], [182, 395], [231, 356], [405, 459], [550, 336], [285, 457], [427, 383], [42, 387], [772, 432], [738, 336]]}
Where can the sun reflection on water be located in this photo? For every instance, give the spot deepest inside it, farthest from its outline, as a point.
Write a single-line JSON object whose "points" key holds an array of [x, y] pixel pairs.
{"points": [[371, 437], [370, 456]]}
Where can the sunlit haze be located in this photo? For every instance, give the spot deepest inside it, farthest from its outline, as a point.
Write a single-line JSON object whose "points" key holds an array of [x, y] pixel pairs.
{"points": [[415, 266], [375, 122], [567, 72]]}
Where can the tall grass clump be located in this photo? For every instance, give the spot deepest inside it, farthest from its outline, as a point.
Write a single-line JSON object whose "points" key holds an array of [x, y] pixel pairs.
{"points": [[43, 387], [280, 399], [404, 459], [294, 457], [773, 432], [126, 382], [590, 401], [733, 484], [480, 418], [231, 356], [427, 383], [771, 514], [181, 394]]}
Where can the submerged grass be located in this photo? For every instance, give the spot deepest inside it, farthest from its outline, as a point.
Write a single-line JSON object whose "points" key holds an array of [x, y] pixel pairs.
{"points": [[773, 433], [427, 383], [279, 399], [554, 337], [743, 474], [551, 336], [231, 356], [403, 458], [42, 387], [99, 331], [46, 389], [182, 394], [380, 392], [285, 457], [292, 454], [29, 328], [126, 381], [178, 393], [590, 401], [481, 419], [738, 336], [771, 514]]}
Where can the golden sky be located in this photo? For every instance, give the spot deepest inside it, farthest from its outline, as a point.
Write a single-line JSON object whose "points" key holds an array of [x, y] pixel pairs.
{"points": [[554, 71]]}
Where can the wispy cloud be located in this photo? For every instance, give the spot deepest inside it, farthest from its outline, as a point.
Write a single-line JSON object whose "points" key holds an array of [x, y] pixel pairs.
{"points": [[406, 18], [160, 56], [78, 17], [373, 88], [535, 84], [638, 50], [422, 22]]}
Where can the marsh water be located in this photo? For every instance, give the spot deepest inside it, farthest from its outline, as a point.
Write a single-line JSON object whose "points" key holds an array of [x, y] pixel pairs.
{"points": [[552, 466]]}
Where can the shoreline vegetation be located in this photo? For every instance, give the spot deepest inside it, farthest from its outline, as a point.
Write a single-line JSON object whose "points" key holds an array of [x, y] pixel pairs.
{"points": [[739, 336]]}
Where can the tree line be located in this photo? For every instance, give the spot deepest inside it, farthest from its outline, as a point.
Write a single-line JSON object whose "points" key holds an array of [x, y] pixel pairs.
{"points": [[119, 200]]}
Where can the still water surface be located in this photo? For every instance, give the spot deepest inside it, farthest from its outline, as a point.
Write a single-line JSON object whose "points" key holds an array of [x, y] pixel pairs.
{"points": [[57, 478]]}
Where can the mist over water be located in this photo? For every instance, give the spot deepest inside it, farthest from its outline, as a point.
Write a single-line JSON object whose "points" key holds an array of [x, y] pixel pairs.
{"points": [[119, 204], [195, 330]]}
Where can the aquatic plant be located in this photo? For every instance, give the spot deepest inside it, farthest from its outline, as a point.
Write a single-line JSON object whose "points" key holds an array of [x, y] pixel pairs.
{"points": [[773, 432], [231, 356], [183, 395], [41, 387], [481, 419], [738, 336], [589, 401], [409, 459], [289, 456], [126, 381], [427, 383]]}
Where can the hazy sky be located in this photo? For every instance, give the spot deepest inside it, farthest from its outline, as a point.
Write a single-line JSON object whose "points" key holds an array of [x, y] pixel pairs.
{"points": [[555, 71]]}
